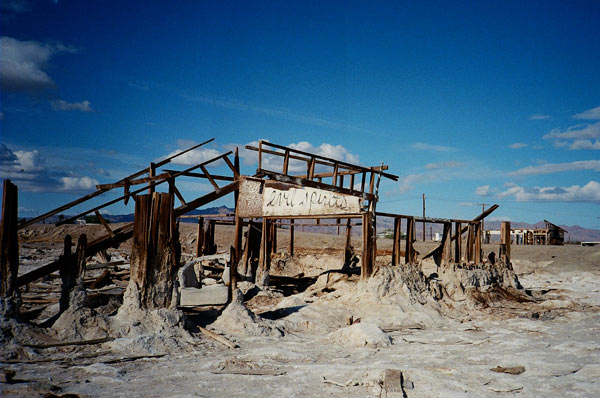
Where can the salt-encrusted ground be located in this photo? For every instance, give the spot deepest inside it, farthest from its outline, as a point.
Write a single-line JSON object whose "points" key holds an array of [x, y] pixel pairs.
{"points": [[444, 349]]}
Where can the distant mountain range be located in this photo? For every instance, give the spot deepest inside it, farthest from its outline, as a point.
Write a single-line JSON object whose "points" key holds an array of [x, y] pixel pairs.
{"points": [[575, 233]]}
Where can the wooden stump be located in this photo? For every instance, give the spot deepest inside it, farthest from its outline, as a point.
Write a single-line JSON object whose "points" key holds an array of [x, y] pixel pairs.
{"points": [[156, 250], [9, 247], [72, 269], [505, 242]]}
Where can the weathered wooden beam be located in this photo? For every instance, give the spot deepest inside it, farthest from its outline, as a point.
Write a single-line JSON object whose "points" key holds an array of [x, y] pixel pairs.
{"points": [[101, 191], [291, 245], [154, 183], [200, 237], [104, 224], [215, 177], [210, 197], [9, 246], [433, 220], [315, 184], [103, 243], [348, 250], [367, 260], [151, 173], [318, 158], [173, 187], [446, 244], [133, 182], [410, 254], [396, 242], [464, 229], [264, 261], [505, 242], [121, 234], [154, 252], [458, 243], [477, 244]]}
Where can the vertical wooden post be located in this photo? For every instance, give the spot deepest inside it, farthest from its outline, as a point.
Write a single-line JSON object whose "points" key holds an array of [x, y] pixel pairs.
{"points": [[367, 260], [273, 240], [200, 237], [9, 247], [66, 274], [348, 252], [477, 246], [447, 244], [286, 161], [505, 242], [410, 254], [264, 260], [396, 242], [239, 227], [252, 249], [291, 248], [237, 245], [155, 250], [458, 243], [423, 217], [151, 173], [470, 243], [209, 239]]}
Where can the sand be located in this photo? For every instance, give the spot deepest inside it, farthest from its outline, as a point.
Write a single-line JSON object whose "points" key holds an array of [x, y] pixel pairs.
{"points": [[445, 334]]}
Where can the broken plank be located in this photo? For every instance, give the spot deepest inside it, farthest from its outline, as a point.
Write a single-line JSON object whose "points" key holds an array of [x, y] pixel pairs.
{"points": [[68, 343], [217, 337]]}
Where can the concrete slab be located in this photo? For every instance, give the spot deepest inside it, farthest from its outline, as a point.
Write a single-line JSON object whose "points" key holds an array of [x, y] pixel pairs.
{"points": [[207, 295]]}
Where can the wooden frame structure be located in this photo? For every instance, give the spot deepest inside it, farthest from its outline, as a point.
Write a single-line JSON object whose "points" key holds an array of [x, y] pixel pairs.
{"points": [[153, 179], [301, 173], [289, 185]]}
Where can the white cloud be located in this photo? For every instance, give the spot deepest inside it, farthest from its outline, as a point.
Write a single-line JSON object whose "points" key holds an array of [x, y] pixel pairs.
{"points": [[517, 145], [549, 168], [590, 114], [23, 64], [199, 155], [337, 152], [62, 105], [581, 136], [421, 146], [483, 190], [590, 192], [78, 183], [539, 116], [443, 165], [27, 170]]}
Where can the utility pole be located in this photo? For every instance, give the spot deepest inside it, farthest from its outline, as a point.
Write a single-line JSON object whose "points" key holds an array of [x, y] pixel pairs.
{"points": [[423, 217]]}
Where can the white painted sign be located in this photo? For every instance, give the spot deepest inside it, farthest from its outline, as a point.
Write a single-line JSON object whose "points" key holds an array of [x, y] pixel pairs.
{"points": [[306, 201]]}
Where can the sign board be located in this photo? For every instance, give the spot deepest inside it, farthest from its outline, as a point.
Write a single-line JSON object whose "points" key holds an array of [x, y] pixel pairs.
{"points": [[260, 198]]}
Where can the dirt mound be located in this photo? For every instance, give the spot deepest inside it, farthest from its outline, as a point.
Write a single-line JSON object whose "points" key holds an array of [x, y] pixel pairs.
{"points": [[367, 334], [238, 320]]}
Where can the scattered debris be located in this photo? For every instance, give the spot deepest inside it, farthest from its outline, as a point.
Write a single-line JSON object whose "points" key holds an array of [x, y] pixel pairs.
{"points": [[512, 370]]}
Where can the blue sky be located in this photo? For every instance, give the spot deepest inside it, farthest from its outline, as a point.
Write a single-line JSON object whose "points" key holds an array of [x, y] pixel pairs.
{"points": [[489, 102]]}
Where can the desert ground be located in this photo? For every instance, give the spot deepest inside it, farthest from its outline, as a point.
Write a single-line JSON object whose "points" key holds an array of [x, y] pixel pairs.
{"points": [[450, 332]]}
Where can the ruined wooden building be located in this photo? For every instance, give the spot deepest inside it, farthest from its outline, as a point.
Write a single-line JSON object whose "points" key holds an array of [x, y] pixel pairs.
{"points": [[288, 188], [551, 234]]}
